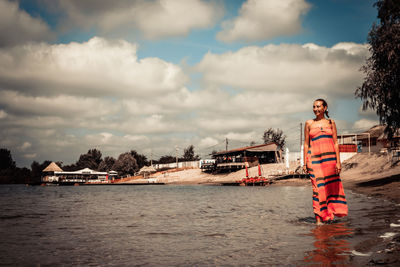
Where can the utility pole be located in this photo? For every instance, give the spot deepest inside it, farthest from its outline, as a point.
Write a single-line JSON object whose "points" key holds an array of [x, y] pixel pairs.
{"points": [[176, 150], [226, 144], [151, 158], [301, 135]]}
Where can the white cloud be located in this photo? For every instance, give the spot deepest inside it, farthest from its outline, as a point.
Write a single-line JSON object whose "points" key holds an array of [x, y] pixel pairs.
{"points": [[30, 156], [264, 19], [97, 67], [25, 146], [17, 26], [289, 68], [365, 124], [68, 98], [154, 19], [3, 114], [208, 142]]}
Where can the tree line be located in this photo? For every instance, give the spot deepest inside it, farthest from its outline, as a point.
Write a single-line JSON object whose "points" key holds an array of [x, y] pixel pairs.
{"points": [[126, 163]]}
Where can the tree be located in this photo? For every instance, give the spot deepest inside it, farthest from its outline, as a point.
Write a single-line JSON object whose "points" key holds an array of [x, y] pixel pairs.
{"points": [[380, 89], [276, 136], [37, 169], [89, 160], [125, 164], [6, 161], [188, 154], [167, 159], [107, 164], [141, 160]]}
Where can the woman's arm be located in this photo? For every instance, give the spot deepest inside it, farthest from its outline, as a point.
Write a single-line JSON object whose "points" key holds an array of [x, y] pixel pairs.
{"points": [[306, 144], [335, 142]]}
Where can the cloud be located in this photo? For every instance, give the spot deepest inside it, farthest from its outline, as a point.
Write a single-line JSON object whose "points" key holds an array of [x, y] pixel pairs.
{"points": [[288, 68], [17, 26], [25, 146], [154, 19], [98, 67], [65, 99], [30, 156], [264, 19], [365, 124], [3, 114]]}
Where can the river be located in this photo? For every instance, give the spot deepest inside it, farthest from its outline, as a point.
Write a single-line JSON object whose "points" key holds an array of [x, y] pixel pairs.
{"points": [[167, 225]]}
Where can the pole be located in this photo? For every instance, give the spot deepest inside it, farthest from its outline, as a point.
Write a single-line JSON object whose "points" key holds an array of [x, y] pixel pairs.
{"points": [[369, 143], [176, 150], [301, 135], [151, 158], [226, 144]]}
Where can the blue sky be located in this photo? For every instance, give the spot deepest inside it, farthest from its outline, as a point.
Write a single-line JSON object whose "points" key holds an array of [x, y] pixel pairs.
{"points": [[152, 75]]}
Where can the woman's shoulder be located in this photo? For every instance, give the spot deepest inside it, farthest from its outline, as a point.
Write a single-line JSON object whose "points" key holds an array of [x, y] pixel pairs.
{"points": [[309, 122]]}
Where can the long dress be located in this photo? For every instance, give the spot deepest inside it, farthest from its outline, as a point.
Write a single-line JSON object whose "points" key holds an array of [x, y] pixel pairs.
{"points": [[329, 199]]}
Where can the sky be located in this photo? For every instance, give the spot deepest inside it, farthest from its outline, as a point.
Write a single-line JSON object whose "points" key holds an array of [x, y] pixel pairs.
{"points": [[156, 76]]}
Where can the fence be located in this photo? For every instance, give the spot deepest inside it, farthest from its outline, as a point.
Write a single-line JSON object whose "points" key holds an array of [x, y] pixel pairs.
{"points": [[185, 164]]}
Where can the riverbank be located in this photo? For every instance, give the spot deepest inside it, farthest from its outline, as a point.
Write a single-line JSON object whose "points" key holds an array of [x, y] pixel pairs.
{"points": [[369, 174]]}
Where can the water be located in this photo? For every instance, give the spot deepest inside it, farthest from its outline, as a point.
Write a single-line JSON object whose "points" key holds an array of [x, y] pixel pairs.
{"points": [[178, 225]]}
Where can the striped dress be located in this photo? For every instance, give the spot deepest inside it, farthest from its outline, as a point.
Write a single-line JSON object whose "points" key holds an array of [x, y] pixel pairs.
{"points": [[328, 195]]}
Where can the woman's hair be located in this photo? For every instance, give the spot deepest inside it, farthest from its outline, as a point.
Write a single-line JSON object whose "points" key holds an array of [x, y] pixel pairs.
{"points": [[325, 105]]}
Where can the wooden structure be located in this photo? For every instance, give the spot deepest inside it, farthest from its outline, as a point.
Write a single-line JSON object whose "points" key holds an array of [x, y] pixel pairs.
{"points": [[372, 140], [49, 173], [240, 158]]}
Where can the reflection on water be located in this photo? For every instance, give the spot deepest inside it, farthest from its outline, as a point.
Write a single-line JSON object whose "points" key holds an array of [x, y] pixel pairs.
{"points": [[178, 225], [331, 245]]}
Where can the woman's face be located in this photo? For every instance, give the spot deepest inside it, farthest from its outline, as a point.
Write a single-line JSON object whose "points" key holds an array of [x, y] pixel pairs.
{"points": [[318, 108]]}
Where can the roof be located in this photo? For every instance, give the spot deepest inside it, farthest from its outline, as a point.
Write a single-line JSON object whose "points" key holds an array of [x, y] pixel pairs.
{"points": [[83, 171], [53, 167], [147, 169], [377, 131], [258, 148]]}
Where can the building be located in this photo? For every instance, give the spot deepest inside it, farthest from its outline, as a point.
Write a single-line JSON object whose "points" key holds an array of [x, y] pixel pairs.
{"points": [[49, 173], [373, 140], [54, 174], [239, 158], [376, 140]]}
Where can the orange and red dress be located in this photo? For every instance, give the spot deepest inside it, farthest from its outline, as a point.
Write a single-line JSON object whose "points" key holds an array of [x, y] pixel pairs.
{"points": [[329, 199]]}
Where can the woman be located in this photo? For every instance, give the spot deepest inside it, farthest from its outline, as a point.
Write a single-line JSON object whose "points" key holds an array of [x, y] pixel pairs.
{"points": [[322, 162]]}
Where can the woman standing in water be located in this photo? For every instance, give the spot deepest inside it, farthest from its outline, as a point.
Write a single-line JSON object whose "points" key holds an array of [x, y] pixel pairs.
{"points": [[322, 162]]}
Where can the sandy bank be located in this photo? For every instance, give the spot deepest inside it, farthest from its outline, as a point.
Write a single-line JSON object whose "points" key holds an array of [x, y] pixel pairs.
{"points": [[372, 175]]}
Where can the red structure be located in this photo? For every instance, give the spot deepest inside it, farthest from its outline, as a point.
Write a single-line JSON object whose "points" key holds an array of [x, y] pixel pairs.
{"points": [[254, 181]]}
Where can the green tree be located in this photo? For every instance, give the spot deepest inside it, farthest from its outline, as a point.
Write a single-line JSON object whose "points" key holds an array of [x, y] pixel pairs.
{"points": [[90, 160], [141, 160], [36, 170], [189, 155], [166, 159], [380, 89], [6, 161], [107, 164], [125, 164], [276, 136]]}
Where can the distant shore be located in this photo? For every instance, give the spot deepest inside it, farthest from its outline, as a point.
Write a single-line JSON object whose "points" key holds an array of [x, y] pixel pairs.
{"points": [[369, 174]]}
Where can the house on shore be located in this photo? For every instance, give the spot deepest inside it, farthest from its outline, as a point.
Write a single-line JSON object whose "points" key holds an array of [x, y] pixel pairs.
{"points": [[373, 140], [239, 158], [54, 174], [49, 173]]}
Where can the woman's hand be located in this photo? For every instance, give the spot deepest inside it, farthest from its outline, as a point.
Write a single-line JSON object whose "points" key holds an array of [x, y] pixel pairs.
{"points": [[338, 167]]}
